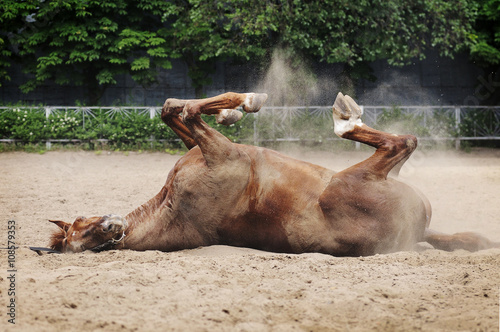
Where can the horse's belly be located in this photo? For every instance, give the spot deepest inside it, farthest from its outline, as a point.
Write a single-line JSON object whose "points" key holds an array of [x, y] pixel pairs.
{"points": [[255, 231]]}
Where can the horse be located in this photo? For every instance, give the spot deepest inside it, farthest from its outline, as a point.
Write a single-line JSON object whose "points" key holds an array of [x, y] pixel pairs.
{"points": [[223, 193]]}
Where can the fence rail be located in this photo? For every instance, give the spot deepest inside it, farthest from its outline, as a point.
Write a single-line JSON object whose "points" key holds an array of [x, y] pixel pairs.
{"points": [[314, 123]]}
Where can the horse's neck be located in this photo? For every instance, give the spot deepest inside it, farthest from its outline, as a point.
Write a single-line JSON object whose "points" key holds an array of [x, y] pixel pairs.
{"points": [[142, 221]]}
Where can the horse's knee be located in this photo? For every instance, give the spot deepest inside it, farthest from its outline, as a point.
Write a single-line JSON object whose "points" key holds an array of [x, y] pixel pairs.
{"points": [[191, 111], [398, 147], [172, 107], [410, 143]]}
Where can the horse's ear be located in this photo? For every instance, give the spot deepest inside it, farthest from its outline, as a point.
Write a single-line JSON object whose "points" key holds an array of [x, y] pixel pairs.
{"points": [[62, 224]]}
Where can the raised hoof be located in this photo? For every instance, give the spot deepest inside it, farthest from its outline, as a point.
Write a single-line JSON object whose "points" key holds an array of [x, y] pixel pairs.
{"points": [[346, 114], [254, 101], [228, 116], [346, 108]]}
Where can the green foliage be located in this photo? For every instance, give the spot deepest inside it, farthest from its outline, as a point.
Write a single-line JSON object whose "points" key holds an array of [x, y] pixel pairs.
{"points": [[480, 122], [131, 129], [5, 55], [26, 125], [91, 42], [120, 130], [85, 42], [333, 31], [486, 47], [358, 32], [63, 125], [203, 32]]}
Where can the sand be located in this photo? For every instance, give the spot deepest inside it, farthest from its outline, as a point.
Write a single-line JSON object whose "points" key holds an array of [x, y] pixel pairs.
{"points": [[236, 289]]}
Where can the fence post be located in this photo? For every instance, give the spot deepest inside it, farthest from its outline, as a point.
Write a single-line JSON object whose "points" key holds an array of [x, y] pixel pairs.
{"points": [[358, 144], [255, 133], [83, 116], [457, 127], [152, 114], [48, 144]]}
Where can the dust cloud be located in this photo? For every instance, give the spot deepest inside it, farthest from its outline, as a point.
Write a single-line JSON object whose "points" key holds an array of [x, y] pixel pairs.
{"points": [[289, 81], [396, 87]]}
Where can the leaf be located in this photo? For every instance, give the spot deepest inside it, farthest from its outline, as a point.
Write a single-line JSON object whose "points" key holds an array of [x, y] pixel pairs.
{"points": [[139, 64], [160, 52], [105, 77], [117, 61]]}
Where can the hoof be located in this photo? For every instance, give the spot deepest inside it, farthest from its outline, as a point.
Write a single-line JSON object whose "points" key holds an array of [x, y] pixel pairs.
{"points": [[346, 114], [254, 101], [345, 108], [227, 117]]}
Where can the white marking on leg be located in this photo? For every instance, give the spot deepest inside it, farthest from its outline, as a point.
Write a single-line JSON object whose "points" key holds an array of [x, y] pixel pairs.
{"points": [[248, 98], [343, 126], [224, 113], [346, 114]]}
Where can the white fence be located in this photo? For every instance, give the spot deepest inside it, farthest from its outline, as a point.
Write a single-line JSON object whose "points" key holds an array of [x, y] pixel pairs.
{"points": [[467, 122], [291, 123]]}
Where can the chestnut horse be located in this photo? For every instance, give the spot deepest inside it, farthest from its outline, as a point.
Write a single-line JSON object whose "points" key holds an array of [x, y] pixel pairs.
{"points": [[239, 195]]}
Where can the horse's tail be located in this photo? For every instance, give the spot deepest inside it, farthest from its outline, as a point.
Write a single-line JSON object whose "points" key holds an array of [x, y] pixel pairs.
{"points": [[467, 240]]}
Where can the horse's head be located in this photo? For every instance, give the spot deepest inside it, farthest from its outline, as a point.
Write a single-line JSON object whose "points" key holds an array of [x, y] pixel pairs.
{"points": [[95, 233]]}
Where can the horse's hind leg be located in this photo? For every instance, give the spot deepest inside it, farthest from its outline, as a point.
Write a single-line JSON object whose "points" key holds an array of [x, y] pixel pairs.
{"points": [[368, 213], [467, 240], [392, 150]]}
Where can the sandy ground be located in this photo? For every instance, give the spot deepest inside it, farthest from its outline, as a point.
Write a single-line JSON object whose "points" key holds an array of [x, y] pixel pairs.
{"points": [[236, 289]]}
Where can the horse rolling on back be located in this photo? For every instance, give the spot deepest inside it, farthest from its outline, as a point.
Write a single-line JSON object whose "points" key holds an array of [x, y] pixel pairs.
{"points": [[239, 195]]}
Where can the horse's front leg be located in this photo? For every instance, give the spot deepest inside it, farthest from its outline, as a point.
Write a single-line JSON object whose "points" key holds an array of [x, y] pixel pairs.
{"points": [[170, 115], [216, 148], [222, 107]]}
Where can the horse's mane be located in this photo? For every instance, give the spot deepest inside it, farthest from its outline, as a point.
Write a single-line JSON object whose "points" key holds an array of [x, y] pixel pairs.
{"points": [[56, 240]]}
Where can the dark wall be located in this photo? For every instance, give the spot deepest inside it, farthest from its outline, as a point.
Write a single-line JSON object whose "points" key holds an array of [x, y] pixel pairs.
{"points": [[433, 81]]}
